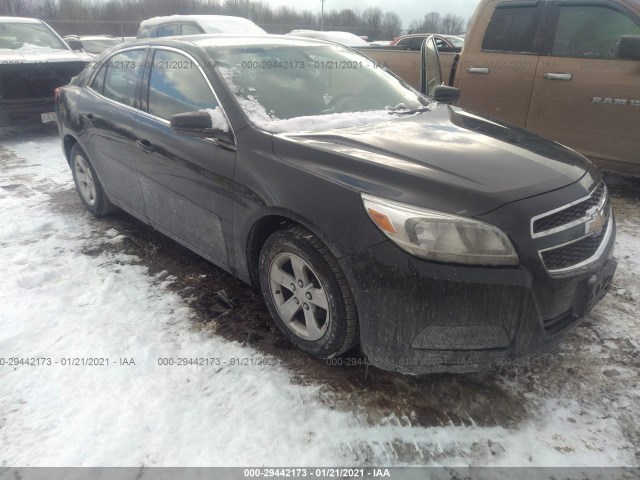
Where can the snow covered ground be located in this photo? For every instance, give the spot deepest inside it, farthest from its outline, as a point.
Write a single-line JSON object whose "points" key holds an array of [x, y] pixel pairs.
{"points": [[69, 289]]}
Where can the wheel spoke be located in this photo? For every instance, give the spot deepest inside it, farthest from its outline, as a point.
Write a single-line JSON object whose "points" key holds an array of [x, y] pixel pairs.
{"points": [[313, 329], [282, 278], [289, 309], [318, 297], [298, 268]]}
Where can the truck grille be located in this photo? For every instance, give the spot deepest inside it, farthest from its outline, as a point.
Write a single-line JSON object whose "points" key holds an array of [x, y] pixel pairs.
{"points": [[26, 81], [570, 214]]}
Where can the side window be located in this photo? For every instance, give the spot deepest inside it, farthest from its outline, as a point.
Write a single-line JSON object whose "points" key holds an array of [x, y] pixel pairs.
{"points": [[404, 42], [97, 83], [188, 29], [512, 29], [176, 86], [590, 31], [123, 71], [169, 30], [145, 32], [416, 43], [440, 43]]}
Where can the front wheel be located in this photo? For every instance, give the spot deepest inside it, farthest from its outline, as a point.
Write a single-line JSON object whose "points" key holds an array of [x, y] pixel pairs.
{"points": [[307, 293]]}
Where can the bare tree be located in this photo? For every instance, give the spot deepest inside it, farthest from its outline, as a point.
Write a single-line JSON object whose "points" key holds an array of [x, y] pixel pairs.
{"points": [[431, 23], [391, 25], [452, 24]]}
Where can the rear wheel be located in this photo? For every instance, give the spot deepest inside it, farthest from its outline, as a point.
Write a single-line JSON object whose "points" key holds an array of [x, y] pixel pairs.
{"points": [[307, 293], [88, 186]]}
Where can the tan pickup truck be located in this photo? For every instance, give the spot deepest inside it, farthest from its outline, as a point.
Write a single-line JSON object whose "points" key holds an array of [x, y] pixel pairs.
{"points": [[568, 70]]}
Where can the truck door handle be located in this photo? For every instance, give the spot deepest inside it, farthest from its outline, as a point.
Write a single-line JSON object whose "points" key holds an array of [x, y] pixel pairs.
{"points": [[483, 70], [558, 76], [145, 146]]}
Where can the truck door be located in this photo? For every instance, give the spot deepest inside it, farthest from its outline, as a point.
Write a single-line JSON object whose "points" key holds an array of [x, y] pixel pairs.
{"points": [[497, 69], [584, 95]]}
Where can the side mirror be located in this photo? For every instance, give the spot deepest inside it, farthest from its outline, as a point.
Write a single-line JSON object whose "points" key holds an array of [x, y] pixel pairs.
{"points": [[430, 76], [200, 124], [445, 94], [629, 47], [74, 44]]}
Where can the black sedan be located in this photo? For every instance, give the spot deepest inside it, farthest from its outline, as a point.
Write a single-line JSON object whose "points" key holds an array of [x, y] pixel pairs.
{"points": [[365, 211]]}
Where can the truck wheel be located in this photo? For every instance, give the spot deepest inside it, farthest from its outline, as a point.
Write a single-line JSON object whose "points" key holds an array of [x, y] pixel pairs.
{"points": [[307, 293], [88, 186]]}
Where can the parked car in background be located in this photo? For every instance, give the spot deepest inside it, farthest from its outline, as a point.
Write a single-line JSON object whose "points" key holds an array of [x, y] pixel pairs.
{"points": [[343, 38], [91, 44], [34, 61], [445, 43], [380, 43], [195, 25], [459, 240]]}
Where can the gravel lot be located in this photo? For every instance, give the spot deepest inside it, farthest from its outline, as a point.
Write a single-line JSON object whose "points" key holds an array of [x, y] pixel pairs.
{"points": [[76, 286]]}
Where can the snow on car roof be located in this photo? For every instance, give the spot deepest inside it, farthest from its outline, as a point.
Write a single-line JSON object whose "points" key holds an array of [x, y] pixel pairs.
{"points": [[19, 20], [229, 40], [345, 38], [194, 18]]}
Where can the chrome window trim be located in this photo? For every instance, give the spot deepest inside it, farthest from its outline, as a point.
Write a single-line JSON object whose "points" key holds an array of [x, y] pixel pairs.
{"points": [[596, 256], [573, 223], [215, 95], [150, 115]]}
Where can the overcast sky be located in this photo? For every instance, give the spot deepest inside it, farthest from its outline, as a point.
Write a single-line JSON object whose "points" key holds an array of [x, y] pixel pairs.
{"points": [[407, 9]]}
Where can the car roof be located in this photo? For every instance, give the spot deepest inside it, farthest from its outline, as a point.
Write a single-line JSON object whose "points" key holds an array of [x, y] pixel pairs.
{"points": [[191, 18], [19, 20]]}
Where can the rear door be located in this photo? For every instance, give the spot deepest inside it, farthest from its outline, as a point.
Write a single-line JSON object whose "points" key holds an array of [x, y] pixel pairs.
{"points": [[584, 96], [186, 181], [106, 111], [497, 70]]}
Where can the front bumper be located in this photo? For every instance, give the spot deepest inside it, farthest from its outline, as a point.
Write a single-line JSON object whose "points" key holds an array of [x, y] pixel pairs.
{"points": [[422, 317], [24, 112]]}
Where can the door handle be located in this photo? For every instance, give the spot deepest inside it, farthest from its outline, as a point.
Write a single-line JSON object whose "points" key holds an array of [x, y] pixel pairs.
{"points": [[87, 118], [483, 70], [145, 146], [558, 76]]}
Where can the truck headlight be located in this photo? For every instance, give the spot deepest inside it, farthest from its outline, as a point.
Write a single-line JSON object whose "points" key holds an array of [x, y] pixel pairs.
{"points": [[441, 237]]}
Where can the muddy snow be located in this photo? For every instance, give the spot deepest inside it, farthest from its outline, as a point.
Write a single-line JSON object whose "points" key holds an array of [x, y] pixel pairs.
{"points": [[96, 310]]}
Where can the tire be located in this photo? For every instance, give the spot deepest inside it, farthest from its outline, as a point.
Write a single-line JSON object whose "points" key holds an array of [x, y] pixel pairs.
{"points": [[307, 293], [87, 184]]}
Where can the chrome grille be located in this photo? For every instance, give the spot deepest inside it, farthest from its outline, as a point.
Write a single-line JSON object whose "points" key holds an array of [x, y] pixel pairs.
{"points": [[590, 223], [574, 253], [571, 213]]}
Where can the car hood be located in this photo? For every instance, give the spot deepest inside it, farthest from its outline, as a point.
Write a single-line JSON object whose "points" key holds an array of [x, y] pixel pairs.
{"points": [[41, 55], [446, 158]]}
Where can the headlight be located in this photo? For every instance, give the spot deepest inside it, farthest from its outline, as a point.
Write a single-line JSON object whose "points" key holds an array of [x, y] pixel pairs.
{"points": [[440, 236]]}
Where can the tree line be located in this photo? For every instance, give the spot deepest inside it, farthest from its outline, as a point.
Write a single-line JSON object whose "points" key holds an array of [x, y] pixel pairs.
{"points": [[372, 22]]}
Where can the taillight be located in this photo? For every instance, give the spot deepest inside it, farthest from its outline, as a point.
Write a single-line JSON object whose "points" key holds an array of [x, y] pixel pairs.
{"points": [[58, 91]]}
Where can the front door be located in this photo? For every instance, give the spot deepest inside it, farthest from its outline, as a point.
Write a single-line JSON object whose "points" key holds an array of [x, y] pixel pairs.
{"points": [[186, 181], [584, 96]]}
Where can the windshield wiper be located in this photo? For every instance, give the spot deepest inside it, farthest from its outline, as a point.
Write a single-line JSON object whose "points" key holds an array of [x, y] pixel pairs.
{"points": [[410, 112]]}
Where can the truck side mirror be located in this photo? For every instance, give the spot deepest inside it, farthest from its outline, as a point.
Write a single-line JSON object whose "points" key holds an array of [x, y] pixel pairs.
{"points": [[430, 76], [629, 47]]}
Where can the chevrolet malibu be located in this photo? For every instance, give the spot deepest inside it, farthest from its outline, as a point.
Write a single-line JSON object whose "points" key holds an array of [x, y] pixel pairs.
{"points": [[364, 211]]}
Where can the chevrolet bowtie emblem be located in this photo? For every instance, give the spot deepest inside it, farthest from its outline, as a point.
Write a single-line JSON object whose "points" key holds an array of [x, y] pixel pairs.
{"points": [[596, 223]]}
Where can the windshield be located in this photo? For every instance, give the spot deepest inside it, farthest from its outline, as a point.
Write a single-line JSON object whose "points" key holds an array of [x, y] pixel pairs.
{"points": [[14, 36], [320, 86]]}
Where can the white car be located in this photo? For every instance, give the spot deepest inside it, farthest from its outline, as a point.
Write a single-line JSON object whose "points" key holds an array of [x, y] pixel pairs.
{"points": [[195, 25]]}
